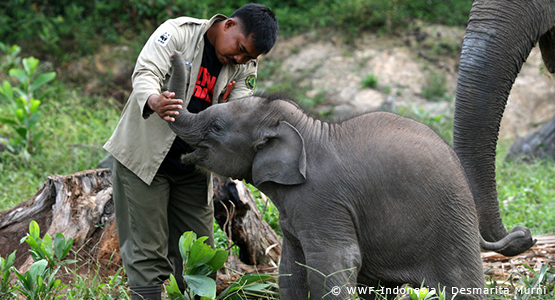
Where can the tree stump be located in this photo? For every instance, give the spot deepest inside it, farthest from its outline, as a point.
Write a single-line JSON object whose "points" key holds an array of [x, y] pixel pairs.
{"points": [[81, 206], [78, 206], [238, 216]]}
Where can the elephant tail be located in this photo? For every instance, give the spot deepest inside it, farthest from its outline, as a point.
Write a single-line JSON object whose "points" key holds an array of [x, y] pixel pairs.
{"points": [[517, 241]]}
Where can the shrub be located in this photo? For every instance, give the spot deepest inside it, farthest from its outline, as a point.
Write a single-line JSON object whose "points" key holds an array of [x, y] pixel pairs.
{"points": [[370, 81], [23, 113]]}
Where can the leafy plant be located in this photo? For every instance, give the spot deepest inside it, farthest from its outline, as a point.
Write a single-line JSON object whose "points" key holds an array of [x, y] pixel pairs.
{"points": [[423, 293], [23, 112], [5, 272], [12, 58], [43, 249], [199, 261], [39, 282]]}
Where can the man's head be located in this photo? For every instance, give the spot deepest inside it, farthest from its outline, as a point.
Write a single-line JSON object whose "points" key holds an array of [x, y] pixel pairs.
{"points": [[260, 23], [250, 31]]}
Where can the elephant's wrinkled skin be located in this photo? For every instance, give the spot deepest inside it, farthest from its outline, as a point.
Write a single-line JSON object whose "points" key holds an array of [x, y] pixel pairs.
{"points": [[379, 196], [499, 37]]}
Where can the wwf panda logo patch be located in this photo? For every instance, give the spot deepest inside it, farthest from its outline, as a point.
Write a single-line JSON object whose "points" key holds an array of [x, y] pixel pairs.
{"points": [[164, 38]]}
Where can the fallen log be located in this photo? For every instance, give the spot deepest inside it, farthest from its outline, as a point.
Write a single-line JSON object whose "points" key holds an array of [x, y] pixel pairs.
{"points": [[81, 206]]}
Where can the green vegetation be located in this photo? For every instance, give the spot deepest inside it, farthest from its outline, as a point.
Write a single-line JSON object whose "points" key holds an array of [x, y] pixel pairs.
{"points": [[436, 87], [199, 261], [370, 81], [42, 280], [63, 131], [525, 193], [50, 125], [43, 249], [23, 112], [68, 29]]}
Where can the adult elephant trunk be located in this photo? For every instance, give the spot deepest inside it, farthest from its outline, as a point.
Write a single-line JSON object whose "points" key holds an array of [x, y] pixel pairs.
{"points": [[498, 39]]}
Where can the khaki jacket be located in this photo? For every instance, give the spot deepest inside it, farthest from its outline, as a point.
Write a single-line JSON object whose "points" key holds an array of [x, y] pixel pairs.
{"points": [[141, 140]]}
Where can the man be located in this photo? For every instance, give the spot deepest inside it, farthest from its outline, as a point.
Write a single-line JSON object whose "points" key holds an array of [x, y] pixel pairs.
{"points": [[156, 197]]}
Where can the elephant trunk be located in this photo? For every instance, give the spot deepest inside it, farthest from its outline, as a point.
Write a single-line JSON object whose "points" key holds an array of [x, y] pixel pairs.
{"points": [[498, 40], [182, 126], [510, 245]]}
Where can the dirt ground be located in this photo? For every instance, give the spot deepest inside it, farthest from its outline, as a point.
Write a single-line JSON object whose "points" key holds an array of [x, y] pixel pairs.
{"points": [[404, 64], [501, 267]]}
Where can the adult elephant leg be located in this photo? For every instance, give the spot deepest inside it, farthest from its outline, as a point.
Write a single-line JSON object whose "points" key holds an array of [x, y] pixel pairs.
{"points": [[292, 276], [498, 39], [547, 47]]}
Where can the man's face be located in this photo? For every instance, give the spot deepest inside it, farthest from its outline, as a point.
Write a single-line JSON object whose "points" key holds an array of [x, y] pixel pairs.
{"points": [[232, 47]]}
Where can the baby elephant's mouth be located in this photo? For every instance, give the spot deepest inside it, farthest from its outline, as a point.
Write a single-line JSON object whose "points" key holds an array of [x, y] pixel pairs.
{"points": [[195, 156]]}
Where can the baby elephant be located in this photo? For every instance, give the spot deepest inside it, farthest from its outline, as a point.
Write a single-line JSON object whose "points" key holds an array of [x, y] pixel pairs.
{"points": [[377, 200]]}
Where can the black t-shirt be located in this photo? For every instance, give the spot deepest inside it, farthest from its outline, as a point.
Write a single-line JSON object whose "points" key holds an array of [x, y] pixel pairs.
{"points": [[202, 98]]}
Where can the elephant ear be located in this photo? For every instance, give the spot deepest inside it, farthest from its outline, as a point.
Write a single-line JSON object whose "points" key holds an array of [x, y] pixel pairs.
{"points": [[281, 157]]}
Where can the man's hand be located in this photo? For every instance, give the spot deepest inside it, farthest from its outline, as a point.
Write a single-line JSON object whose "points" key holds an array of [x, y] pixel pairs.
{"points": [[164, 105]]}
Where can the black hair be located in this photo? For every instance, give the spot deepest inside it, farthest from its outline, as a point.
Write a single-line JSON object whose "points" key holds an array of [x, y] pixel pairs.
{"points": [[260, 22]]}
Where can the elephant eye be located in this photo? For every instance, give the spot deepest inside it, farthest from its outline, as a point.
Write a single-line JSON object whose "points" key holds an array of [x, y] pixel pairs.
{"points": [[259, 145], [216, 127]]}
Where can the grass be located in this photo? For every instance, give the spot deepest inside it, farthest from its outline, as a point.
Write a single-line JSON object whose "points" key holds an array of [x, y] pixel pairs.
{"points": [[436, 87], [75, 128], [525, 193]]}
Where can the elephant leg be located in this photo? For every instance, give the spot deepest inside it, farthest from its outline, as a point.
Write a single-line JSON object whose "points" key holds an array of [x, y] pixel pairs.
{"points": [[332, 265], [547, 47], [292, 276]]}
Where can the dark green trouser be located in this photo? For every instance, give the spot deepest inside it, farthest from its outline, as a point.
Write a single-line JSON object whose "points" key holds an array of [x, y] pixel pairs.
{"points": [[152, 218]]}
